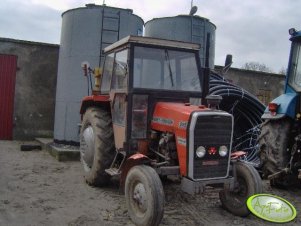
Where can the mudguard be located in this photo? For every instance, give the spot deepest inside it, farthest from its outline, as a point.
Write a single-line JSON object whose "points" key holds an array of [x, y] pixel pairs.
{"points": [[94, 100], [134, 160], [287, 107]]}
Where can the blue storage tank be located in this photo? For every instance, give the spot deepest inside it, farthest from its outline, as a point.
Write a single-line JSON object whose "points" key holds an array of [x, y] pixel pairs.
{"points": [[85, 33]]}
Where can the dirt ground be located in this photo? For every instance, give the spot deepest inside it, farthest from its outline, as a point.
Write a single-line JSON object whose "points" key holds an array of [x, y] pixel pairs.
{"points": [[36, 189]]}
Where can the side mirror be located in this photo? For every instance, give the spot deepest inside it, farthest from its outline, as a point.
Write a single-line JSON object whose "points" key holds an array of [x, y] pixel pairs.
{"points": [[228, 63]]}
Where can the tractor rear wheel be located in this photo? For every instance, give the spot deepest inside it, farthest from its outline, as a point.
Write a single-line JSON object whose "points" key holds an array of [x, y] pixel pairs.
{"points": [[144, 196], [248, 182], [273, 143], [96, 145]]}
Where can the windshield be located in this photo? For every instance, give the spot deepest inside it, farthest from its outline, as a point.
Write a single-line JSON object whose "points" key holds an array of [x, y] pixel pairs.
{"points": [[295, 67], [165, 69]]}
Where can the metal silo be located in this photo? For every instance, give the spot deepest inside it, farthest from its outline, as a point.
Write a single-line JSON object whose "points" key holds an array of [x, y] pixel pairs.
{"points": [[186, 28], [85, 32]]}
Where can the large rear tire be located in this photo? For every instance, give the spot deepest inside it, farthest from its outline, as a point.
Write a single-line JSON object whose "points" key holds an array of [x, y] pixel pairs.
{"points": [[144, 196], [96, 145], [248, 183], [273, 143]]}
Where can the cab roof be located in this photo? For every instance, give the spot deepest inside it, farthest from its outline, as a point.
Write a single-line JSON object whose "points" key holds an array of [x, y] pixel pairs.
{"points": [[295, 35], [153, 42]]}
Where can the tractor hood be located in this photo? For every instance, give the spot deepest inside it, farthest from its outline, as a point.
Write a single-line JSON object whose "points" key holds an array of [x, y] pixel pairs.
{"points": [[172, 117], [214, 128]]}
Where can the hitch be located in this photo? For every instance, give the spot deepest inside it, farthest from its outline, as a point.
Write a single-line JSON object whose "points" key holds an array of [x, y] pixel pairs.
{"points": [[278, 174]]}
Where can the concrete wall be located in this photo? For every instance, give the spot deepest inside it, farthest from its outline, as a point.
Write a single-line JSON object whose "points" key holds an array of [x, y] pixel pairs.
{"points": [[35, 87], [266, 86]]}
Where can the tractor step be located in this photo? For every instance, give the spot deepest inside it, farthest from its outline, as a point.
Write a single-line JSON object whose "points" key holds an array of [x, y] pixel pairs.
{"points": [[115, 168], [113, 171]]}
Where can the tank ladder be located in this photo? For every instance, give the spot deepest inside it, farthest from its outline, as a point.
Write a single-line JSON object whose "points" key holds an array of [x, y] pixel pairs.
{"points": [[110, 27]]}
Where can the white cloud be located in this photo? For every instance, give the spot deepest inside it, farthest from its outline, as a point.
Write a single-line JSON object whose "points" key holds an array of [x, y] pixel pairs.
{"points": [[57, 4]]}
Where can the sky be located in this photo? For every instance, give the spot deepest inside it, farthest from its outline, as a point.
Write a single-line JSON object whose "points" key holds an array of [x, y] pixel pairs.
{"points": [[250, 30]]}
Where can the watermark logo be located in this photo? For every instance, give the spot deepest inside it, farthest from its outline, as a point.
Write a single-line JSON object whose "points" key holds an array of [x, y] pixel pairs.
{"points": [[271, 208]]}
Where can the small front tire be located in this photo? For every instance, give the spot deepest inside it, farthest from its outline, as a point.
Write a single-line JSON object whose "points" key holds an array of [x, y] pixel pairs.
{"points": [[144, 196], [248, 184]]}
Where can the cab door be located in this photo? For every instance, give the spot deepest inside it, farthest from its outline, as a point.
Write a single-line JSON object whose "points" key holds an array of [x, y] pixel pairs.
{"points": [[118, 96]]}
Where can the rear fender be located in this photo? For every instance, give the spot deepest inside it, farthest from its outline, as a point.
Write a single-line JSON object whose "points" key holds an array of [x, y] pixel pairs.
{"points": [[287, 107], [237, 154], [95, 100], [134, 160]]}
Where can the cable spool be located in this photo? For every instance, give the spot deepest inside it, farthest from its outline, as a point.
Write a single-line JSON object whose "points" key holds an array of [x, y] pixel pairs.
{"points": [[246, 110]]}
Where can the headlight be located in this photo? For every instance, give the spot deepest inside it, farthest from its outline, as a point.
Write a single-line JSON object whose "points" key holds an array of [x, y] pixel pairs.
{"points": [[200, 152], [223, 151]]}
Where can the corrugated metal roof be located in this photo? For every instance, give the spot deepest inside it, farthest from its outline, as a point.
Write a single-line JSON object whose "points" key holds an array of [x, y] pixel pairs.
{"points": [[17, 41]]}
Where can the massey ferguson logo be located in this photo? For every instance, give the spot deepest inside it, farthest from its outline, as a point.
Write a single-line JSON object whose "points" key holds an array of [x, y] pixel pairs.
{"points": [[163, 121]]}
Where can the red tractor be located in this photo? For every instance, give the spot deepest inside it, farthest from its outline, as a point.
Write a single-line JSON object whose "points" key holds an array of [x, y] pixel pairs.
{"points": [[149, 119]]}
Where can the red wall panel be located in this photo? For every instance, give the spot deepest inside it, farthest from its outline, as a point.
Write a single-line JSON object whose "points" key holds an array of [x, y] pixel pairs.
{"points": [[8, 67]]}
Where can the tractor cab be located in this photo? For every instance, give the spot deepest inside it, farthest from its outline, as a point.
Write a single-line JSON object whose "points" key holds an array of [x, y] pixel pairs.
{"points": [[280, 139], [286, 104], [294, 70], [139, 72]]}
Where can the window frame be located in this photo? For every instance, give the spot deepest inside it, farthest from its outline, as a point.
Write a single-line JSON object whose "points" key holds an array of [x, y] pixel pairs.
{"points": [[295, 66], [114, 53], [194, 52], [124, 89]]}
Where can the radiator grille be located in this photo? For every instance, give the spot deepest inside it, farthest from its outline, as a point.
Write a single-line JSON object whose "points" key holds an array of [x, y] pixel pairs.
{"points": [[211, 131]]}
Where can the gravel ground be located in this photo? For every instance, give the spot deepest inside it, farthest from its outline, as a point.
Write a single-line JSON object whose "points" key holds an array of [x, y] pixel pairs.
{"points": [[36, 189]]}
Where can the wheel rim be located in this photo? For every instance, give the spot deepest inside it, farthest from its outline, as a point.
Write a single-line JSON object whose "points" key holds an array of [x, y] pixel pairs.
{"points": [[139, 198], [87, 148]]}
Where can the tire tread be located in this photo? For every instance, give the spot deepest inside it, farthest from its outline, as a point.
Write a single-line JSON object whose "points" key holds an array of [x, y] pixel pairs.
{"points": [[101, 123]]}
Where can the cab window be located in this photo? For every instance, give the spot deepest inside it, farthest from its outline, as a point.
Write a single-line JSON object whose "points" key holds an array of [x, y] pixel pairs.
{"points": [[107, 74], [119, 78], [295, 67], [165, 69]]}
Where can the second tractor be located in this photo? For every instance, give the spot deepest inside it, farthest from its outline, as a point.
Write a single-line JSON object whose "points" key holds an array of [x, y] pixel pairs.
{"points": [[280, 139]]}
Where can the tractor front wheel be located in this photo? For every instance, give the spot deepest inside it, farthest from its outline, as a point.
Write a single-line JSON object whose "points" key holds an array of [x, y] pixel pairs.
{"points": [[247, 183], [96, 145], [144, 196]]}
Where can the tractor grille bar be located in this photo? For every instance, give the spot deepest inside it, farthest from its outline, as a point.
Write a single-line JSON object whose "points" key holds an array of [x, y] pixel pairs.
{"points": [[210, 130]]}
